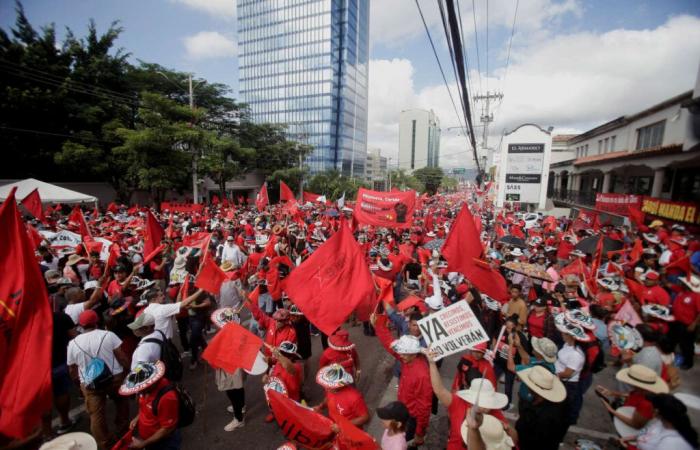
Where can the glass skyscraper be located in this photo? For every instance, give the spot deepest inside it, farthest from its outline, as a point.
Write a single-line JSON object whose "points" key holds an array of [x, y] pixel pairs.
{"points": [[304, 63]]}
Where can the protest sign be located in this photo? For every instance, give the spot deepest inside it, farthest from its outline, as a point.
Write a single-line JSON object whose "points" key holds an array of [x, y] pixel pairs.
{"points": [[63, 238], [452, 330], [385, 209]]}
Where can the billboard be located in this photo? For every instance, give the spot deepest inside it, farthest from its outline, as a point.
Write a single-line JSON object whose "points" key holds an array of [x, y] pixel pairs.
{"points": [[523, 177]]}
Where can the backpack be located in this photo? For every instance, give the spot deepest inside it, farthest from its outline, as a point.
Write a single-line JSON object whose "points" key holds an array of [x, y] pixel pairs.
{"points": [[97, 375], [186, 409], [170, 356]]}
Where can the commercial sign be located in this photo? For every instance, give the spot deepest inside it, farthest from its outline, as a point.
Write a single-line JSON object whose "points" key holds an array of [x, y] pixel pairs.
{"points": [[667, 209], [617, 203], [385, 209], [524, 173], [452, 330]]}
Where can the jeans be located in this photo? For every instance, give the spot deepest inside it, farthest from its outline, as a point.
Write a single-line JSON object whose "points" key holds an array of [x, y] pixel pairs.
{"points": [[172, 442], [237, 399], [411, 425], [500, 368], [183, 326], [685, 340], [197, 324], [574, 399], [96, 405]]}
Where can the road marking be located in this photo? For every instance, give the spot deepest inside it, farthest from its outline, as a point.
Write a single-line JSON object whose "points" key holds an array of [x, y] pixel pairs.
{"points": [[573, 429]]}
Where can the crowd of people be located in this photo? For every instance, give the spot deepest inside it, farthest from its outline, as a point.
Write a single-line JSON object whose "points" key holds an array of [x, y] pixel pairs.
{"points": [[130, 316]]}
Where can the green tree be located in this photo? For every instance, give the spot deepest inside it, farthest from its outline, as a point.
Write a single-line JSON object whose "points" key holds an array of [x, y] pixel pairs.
{"points": [[431, 177], [449, 184], [402, 180], [224, 159], [333, 184]]}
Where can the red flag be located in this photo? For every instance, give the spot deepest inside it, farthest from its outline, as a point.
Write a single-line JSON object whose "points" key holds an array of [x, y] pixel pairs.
{"points": [[156, 251], [210, 277], [636, 252], [77, 219], [597, 256], [113, 208], [352, 438], [25, 315], [198, 239], [636, 288], [487, 279], [185, 288], [232, 348], [300, 424], [170, 232], [682, 263], [114, 253], [261, 200], [577, 267], [310, 197], [636, 216], [286, 194], [33, 204], [332, 282], [463, 243], [215, 200], [92, 245], [499, 231], [153, 235], [386, 290], [36, 237]]}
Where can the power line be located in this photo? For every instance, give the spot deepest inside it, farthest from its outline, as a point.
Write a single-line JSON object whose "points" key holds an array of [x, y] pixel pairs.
{"points": [[487, 45], [476, 42], [466, 57], [442, 72], [450, 48], [510, 44]]}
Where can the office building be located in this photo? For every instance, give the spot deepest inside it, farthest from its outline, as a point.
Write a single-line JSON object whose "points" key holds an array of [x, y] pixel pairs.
{"points": [[419, 139], [376, 169], [305, 64]]}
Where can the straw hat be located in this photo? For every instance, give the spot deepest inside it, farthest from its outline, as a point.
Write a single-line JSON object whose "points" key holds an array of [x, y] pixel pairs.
{"points": [[658, 312], [656, 223], [406, 345], [74, 259], [227, 266], [642, 377], [488, 397], [492, 433], [71, 441], [222, 316], [693, 284], [544, 383], [340, 341], [141, 377], [333, 376], [650, 237], [545, 347]]}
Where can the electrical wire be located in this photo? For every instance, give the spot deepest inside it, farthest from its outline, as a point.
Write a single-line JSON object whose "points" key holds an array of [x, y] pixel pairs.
{"points": [[487, 47], [510, 44], [450, 48], [476, 42]]}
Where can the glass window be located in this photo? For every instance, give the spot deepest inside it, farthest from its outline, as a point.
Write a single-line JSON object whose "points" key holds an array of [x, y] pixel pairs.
{"points": [[651, 135]]}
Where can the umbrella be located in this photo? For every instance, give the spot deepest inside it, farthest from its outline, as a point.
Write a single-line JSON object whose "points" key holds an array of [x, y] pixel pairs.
{"points": [[512, 240], [435, 244], [332, 213], [589, 244]]}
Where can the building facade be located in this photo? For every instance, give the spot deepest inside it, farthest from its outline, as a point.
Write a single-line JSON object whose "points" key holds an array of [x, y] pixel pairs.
{"points": [[419, 139], [376, 169], [304, 64], [649, 153]]}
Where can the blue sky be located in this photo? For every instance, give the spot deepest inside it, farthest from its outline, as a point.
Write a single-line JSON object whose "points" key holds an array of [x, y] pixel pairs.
{"points": [[574, 63]]}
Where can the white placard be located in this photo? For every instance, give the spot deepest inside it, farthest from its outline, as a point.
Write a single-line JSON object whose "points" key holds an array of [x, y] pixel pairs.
{"points": [[524, 172], [64, 238], [452, 330]]}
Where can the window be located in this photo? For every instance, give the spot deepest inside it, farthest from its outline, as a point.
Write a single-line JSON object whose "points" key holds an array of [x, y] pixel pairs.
{"points": [[600, 146], [605, 145], [612, 143], [586, 150], [651, 135]]}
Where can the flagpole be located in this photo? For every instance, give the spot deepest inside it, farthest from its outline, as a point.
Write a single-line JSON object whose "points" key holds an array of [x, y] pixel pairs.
{"points": [[483, 373]]}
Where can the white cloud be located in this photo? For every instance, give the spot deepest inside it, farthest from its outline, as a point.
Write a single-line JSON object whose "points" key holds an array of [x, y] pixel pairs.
{"points": [[571, 82], [224, 9], [209, 44]]}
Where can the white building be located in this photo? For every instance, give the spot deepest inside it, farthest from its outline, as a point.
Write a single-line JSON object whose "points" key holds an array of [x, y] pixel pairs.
{"points": [[419, 139], [560, 148], [376, 169]]}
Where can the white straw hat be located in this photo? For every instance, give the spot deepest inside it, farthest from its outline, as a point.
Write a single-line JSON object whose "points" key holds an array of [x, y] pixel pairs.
{"points": [[488, 397], [642, 377], [544, 383], [492, 433]]}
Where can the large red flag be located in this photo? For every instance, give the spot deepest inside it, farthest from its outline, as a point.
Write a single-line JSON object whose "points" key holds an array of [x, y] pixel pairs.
{"points": [[25, 317], [463, 243], [153, 235], [261, 200], [332, 282], [36, 237], [486, 279], [156, 251], [232, 348], [352, 438], [300, 424], [210, 277], [77, 219], [286, 193], [33, 204]]}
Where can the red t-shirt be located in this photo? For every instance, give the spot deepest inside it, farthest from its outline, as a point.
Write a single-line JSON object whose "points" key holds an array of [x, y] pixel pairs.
{"points": [[291, 381], [642, 405], [457, 412], [114, 289], [535, 324], [156, 274], [168, 410], [347, 402], [655, 294], [686, 307]]}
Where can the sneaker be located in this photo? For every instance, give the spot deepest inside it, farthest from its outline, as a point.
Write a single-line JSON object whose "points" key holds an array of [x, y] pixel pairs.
{"points": [[232, 425], [193, 365], [269, 418], [186, 354], [63, 429], [229, 408]]}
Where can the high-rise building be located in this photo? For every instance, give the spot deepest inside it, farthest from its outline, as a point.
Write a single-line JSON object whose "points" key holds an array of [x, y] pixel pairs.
{"points": [[419, 139], [376, 169], [304, 63]]}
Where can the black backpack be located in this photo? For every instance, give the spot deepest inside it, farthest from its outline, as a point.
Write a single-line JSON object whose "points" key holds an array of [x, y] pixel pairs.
{"points": [[170, 356], [186, 409]]}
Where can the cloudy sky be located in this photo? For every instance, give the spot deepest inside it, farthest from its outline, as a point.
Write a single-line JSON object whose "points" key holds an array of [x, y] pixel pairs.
{"points": [[574, 64]]}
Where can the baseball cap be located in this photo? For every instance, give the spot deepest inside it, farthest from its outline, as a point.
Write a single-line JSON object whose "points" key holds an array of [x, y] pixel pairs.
{"points": [[87, 318], [143, 320], [393, 411]]}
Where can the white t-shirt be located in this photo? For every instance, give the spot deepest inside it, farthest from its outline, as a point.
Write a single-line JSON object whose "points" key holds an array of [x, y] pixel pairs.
{"points": [[570, 357], [147, 351], [163, 313], [85, 346], [654, 436], [73, 310]]}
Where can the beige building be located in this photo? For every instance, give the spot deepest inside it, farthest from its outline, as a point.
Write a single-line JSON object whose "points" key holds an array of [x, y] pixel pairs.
{"points": [[376, 169]]}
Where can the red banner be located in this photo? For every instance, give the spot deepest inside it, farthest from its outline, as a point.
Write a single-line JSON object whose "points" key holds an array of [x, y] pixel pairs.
{"points": [[300, 424], [231, 348], [385, 209], [187, 208], [667, 209], [617, 203]]}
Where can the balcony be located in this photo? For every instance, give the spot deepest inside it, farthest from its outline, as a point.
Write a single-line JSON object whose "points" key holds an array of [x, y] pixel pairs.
{"points": [[570, 198]]}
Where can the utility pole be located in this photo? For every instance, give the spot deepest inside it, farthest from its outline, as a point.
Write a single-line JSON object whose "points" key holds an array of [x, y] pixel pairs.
{"points": [[486, 119]]}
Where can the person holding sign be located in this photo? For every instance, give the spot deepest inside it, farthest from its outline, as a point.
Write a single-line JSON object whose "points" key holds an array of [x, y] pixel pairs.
{"points": [[414, 385]]}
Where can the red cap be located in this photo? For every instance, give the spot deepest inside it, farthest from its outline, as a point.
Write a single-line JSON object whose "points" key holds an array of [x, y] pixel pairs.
{"points": [[482, 347], [651, 275], [87, 318]]}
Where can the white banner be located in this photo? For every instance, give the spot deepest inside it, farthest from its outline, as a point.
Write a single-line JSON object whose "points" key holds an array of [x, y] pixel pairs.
{"points": [[452, 330], [63, 238]]}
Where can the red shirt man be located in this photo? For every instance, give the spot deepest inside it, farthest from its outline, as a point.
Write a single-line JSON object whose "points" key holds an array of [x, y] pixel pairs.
{"points": [[686, 307], [346, 402], [167, 407], [277, 328]]}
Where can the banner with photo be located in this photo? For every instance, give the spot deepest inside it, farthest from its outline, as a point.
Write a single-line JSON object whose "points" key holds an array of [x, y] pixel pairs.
{"points": [[385, 209]]}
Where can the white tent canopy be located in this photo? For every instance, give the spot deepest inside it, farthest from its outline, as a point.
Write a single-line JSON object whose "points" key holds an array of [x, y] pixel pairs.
{"points": [[49, 193]]}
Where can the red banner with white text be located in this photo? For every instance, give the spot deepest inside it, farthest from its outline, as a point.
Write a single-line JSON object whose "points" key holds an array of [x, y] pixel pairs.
{"points": [[385, 209], [617, 203]]}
